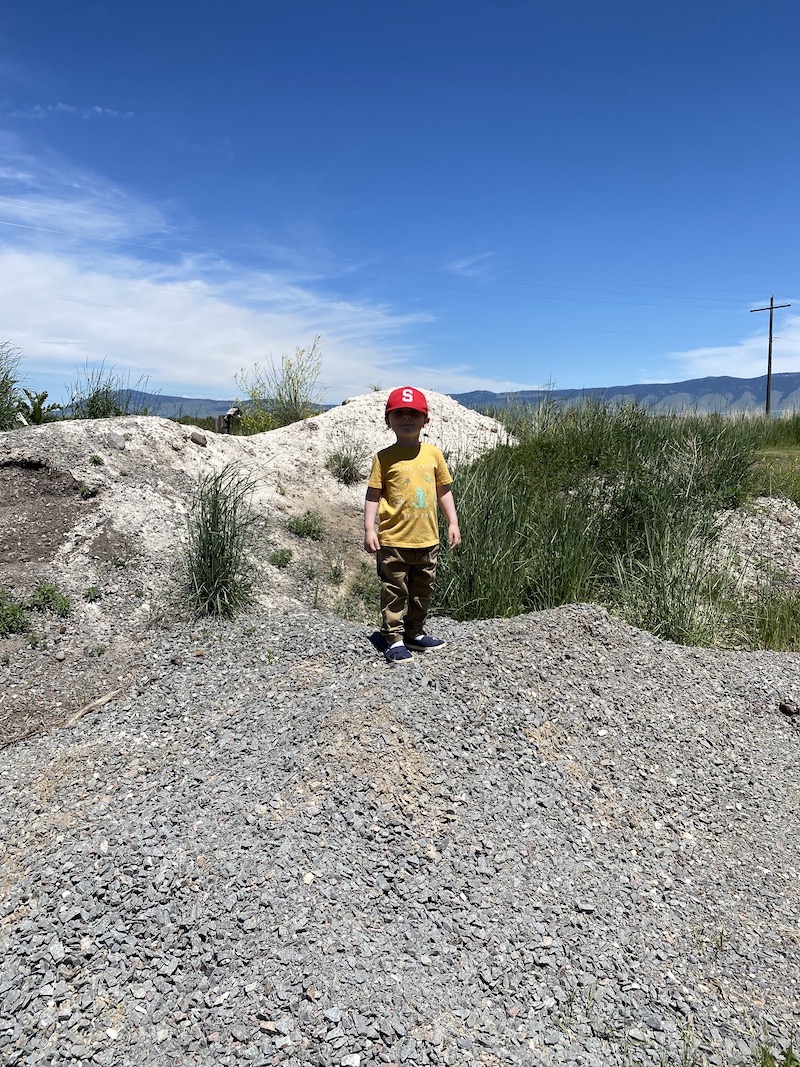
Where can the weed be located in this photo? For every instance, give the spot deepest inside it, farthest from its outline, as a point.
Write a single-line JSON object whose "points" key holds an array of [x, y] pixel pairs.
{"points": [[219, 572], [5, 659], [13, 617], [100, 393], [92, 593], [280, 395], [10, 357], [280, 558], [309, 525], [97, 460], [336, 573], [34, 640], [86, 492], [33, 408], [48, 597], [99, 650], [348, 462], [365, 585]]}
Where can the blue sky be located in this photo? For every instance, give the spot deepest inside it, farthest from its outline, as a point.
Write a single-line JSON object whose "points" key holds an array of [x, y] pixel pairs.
{"points": [[459, 194]]}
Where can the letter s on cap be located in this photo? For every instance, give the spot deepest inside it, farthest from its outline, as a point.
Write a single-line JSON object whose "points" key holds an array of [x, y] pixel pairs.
{"points": [[408, 396]]}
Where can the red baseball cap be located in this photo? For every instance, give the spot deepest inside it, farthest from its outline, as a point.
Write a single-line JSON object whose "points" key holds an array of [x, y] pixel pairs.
{"points": [[406, 397]]}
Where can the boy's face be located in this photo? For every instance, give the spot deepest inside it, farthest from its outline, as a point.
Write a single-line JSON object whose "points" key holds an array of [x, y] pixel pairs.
{"points": [[406, 424]]}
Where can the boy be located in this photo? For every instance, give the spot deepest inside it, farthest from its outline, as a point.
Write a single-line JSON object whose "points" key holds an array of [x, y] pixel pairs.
{"points": [[406, 480]]}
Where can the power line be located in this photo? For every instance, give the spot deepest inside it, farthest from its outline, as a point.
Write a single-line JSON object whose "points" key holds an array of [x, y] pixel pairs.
{"points": [[770, 309]]}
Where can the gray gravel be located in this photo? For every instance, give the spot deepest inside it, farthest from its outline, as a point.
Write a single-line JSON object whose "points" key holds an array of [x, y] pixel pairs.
{"points": [[558, 840]]}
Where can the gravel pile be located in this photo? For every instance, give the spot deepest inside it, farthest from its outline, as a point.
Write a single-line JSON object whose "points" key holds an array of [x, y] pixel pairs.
{"points": [[557, 841]]}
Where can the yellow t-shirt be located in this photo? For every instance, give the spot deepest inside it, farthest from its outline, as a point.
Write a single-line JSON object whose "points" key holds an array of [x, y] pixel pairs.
{"points": [[407, 476]]}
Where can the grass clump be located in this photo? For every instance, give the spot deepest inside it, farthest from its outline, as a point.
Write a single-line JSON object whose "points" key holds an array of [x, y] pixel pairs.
{"points": [[278, 395], [349, 460], [92, 594], [101, 393], [309, 525], [280, 558], [219, 572], [48, 597], [365, 586], [10, 357], [13, 617], [348, 463]]}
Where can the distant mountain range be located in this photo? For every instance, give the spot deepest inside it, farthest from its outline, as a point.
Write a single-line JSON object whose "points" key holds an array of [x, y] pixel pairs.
{"points": [[723, 394]]}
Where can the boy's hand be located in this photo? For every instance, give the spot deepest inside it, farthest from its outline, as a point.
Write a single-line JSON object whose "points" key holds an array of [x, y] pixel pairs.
{"points": [[453, 535], [371, 542]]}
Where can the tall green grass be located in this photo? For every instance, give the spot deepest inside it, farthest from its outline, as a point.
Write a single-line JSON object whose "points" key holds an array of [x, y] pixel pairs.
{"points": [[607, 504], [219, 573]]}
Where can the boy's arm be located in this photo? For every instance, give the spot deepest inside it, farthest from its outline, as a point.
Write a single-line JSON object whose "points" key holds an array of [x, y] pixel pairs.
{"points": [[448, 506], [371, 542]]}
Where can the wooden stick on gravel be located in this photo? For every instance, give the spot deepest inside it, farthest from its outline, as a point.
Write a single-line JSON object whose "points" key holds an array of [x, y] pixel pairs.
{"points": [[92, 705]]}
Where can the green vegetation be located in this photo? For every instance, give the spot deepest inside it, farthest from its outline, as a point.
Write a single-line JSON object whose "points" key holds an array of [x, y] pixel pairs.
{"points": [[34, 410], [280, 558], [100, 393], [15, 614], [766, 1057], [365, 586], [13, 617], [48, 597], [616, 506], [277, 396], [10, 357], [219, 567], [348, 462], [309, 525], [92, 594]]}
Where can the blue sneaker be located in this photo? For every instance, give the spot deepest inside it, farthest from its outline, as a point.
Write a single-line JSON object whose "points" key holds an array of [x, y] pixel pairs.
{"points": [[398, 654], [424, 643]]}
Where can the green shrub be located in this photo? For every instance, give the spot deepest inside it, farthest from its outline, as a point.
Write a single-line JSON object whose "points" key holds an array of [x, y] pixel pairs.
{"points": [[48, 597], [280, 558], [96, 460], [92, 594], [277, 396], [309, 525], [219, 570], [13, 617]]}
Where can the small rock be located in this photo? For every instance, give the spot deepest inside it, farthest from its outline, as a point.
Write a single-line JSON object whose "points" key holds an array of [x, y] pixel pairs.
{"points": [[198, 438]]}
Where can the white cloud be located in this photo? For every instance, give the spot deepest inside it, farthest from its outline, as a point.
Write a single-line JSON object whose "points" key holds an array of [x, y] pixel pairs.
{"points": [[747, 358], [92, 273], [43, 111], [477, 266]]}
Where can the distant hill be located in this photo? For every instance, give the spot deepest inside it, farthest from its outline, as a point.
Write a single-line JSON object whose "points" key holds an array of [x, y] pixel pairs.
{"points": [[723, 394]]}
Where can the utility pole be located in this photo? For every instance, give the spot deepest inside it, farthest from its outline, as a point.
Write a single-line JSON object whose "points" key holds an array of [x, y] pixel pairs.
{"points": [[770, 309]]}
